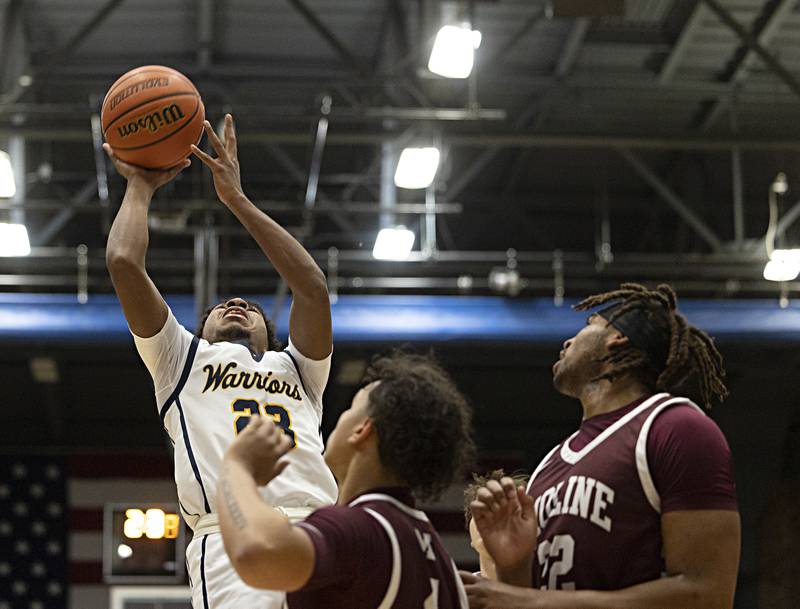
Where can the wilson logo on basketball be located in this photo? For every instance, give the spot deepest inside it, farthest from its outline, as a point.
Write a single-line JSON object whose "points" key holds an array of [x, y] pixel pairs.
{"points": [[148, 83], [152, 121]]}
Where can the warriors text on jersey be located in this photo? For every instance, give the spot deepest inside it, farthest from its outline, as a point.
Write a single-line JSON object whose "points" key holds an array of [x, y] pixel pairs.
{"points": [[378, 552], [599, 495], [206, 394]]}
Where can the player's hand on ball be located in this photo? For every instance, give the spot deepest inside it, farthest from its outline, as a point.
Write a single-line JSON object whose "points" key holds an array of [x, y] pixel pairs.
{"points": [[153, 178], [259, 449], [506, 521], [225, 167]]}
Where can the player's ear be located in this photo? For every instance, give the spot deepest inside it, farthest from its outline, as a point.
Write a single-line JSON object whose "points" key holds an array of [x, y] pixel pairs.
{"points": [[616, 339], [362, 432]]}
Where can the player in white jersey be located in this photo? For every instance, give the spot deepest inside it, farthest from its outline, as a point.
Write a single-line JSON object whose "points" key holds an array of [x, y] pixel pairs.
{"points": [[209, 385]]}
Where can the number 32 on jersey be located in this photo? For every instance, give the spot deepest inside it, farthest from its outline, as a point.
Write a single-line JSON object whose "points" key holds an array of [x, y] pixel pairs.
{"points": [[247, 408]]}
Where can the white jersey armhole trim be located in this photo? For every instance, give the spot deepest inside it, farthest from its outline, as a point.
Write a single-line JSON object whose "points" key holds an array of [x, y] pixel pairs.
{"points": [[572, 457], [418, 514], [463, 601], [542, 464], [642, 466], [394, 579]]}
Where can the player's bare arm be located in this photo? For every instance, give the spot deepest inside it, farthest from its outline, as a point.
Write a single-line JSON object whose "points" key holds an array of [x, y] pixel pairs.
{"points": [[126, 249], [310, 318], [263, 546], [504, 515], [701, 551]]}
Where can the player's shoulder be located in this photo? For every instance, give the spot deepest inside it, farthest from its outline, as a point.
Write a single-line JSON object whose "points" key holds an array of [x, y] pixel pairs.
{"points": [[684, 424], [345, 520], [681, 412]]}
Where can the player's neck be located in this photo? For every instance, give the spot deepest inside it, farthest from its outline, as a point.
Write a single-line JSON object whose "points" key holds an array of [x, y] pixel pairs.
{"points": [[245, 342], [602, 397], [364, 475]]}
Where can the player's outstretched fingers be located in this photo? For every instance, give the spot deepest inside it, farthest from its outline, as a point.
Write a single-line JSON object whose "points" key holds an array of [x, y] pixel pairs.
{"points": [[230, 137], [509, 487], [496, 489], [487, 497], [207, 159], [526, 503], [215, 141]]}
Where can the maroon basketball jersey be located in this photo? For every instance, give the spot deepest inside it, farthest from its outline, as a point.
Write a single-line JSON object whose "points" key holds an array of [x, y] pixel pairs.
{"points": [[401, 562], [598, 510]]}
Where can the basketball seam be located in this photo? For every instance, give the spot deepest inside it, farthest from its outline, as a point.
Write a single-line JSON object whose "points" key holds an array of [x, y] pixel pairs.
{"points": [[189, 120], [105, 130], [155, 70]]}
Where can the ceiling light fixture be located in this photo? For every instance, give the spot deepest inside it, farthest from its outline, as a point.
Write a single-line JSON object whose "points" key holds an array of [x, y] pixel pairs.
{"points": [[8, 187], [416, 167], [453, 53], [14, 240], [393, 243], [783, 265]]}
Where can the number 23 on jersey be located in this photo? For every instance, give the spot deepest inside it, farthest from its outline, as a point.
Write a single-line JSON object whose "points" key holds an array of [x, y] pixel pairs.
{"points": [[244, 409]]}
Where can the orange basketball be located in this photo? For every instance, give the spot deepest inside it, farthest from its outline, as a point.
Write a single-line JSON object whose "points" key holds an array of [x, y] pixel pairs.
{"points": [[151, 116]]}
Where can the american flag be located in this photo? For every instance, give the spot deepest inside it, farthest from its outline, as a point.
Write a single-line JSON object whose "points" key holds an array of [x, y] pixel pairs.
{"points": [[51, 523]]}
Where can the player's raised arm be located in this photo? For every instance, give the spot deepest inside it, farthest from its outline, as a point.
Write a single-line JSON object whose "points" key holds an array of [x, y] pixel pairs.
{"points": [[310, 320], [126, 249], [263, 546]]}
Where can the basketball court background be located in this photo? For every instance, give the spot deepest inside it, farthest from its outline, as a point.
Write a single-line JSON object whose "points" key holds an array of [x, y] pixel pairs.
{"points": [[594, 142]]}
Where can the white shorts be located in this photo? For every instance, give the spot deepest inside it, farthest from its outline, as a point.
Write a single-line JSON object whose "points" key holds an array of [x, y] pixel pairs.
{"points": [[215, 584]]}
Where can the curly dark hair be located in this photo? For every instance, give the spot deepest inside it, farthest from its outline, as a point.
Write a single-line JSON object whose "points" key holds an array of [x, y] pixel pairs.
{"points": [[423, 422], [692, 355], [471, 491], [273, 344]]}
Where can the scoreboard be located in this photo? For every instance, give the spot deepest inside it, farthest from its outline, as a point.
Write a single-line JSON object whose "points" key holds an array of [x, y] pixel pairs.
{"points": [[143, 543]]}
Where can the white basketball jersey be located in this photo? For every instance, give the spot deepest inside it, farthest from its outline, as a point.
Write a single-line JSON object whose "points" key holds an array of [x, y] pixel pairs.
{"points": [[206, 394]]}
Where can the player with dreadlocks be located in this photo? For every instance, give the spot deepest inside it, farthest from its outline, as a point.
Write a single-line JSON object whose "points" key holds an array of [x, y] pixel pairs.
{"points": [[636, 509]]}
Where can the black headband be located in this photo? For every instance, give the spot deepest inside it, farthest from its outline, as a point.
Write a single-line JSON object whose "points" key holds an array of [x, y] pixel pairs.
{"points": [[635, 324]]}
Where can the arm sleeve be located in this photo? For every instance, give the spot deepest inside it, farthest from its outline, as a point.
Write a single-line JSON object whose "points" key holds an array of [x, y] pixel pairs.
{"points": [[344, 539], [690, 461], [165, 354], [313, 372]]}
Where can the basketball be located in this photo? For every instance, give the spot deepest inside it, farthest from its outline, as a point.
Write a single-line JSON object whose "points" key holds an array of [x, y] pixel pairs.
{"points": [[151, 116]]}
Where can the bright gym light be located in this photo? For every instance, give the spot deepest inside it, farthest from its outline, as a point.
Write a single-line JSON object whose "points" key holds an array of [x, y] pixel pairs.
{"points": [[416, 167], [453, 51], [7, 186], [393, 243], [14, 240], [783, 265]]}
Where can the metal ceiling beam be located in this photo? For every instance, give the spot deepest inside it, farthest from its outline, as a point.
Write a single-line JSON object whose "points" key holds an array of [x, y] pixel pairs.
{"points": [[61, 219], [492, 60], [772, 18], [572, 48], [563, 68], [673, 200], [10, 43], [485, 157], [85, 30], [678, 52], [205, 33], [333, 41], [62, 53], [477, 140], [753, 43], [298, 175], [269, 206], [327, 76]]}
